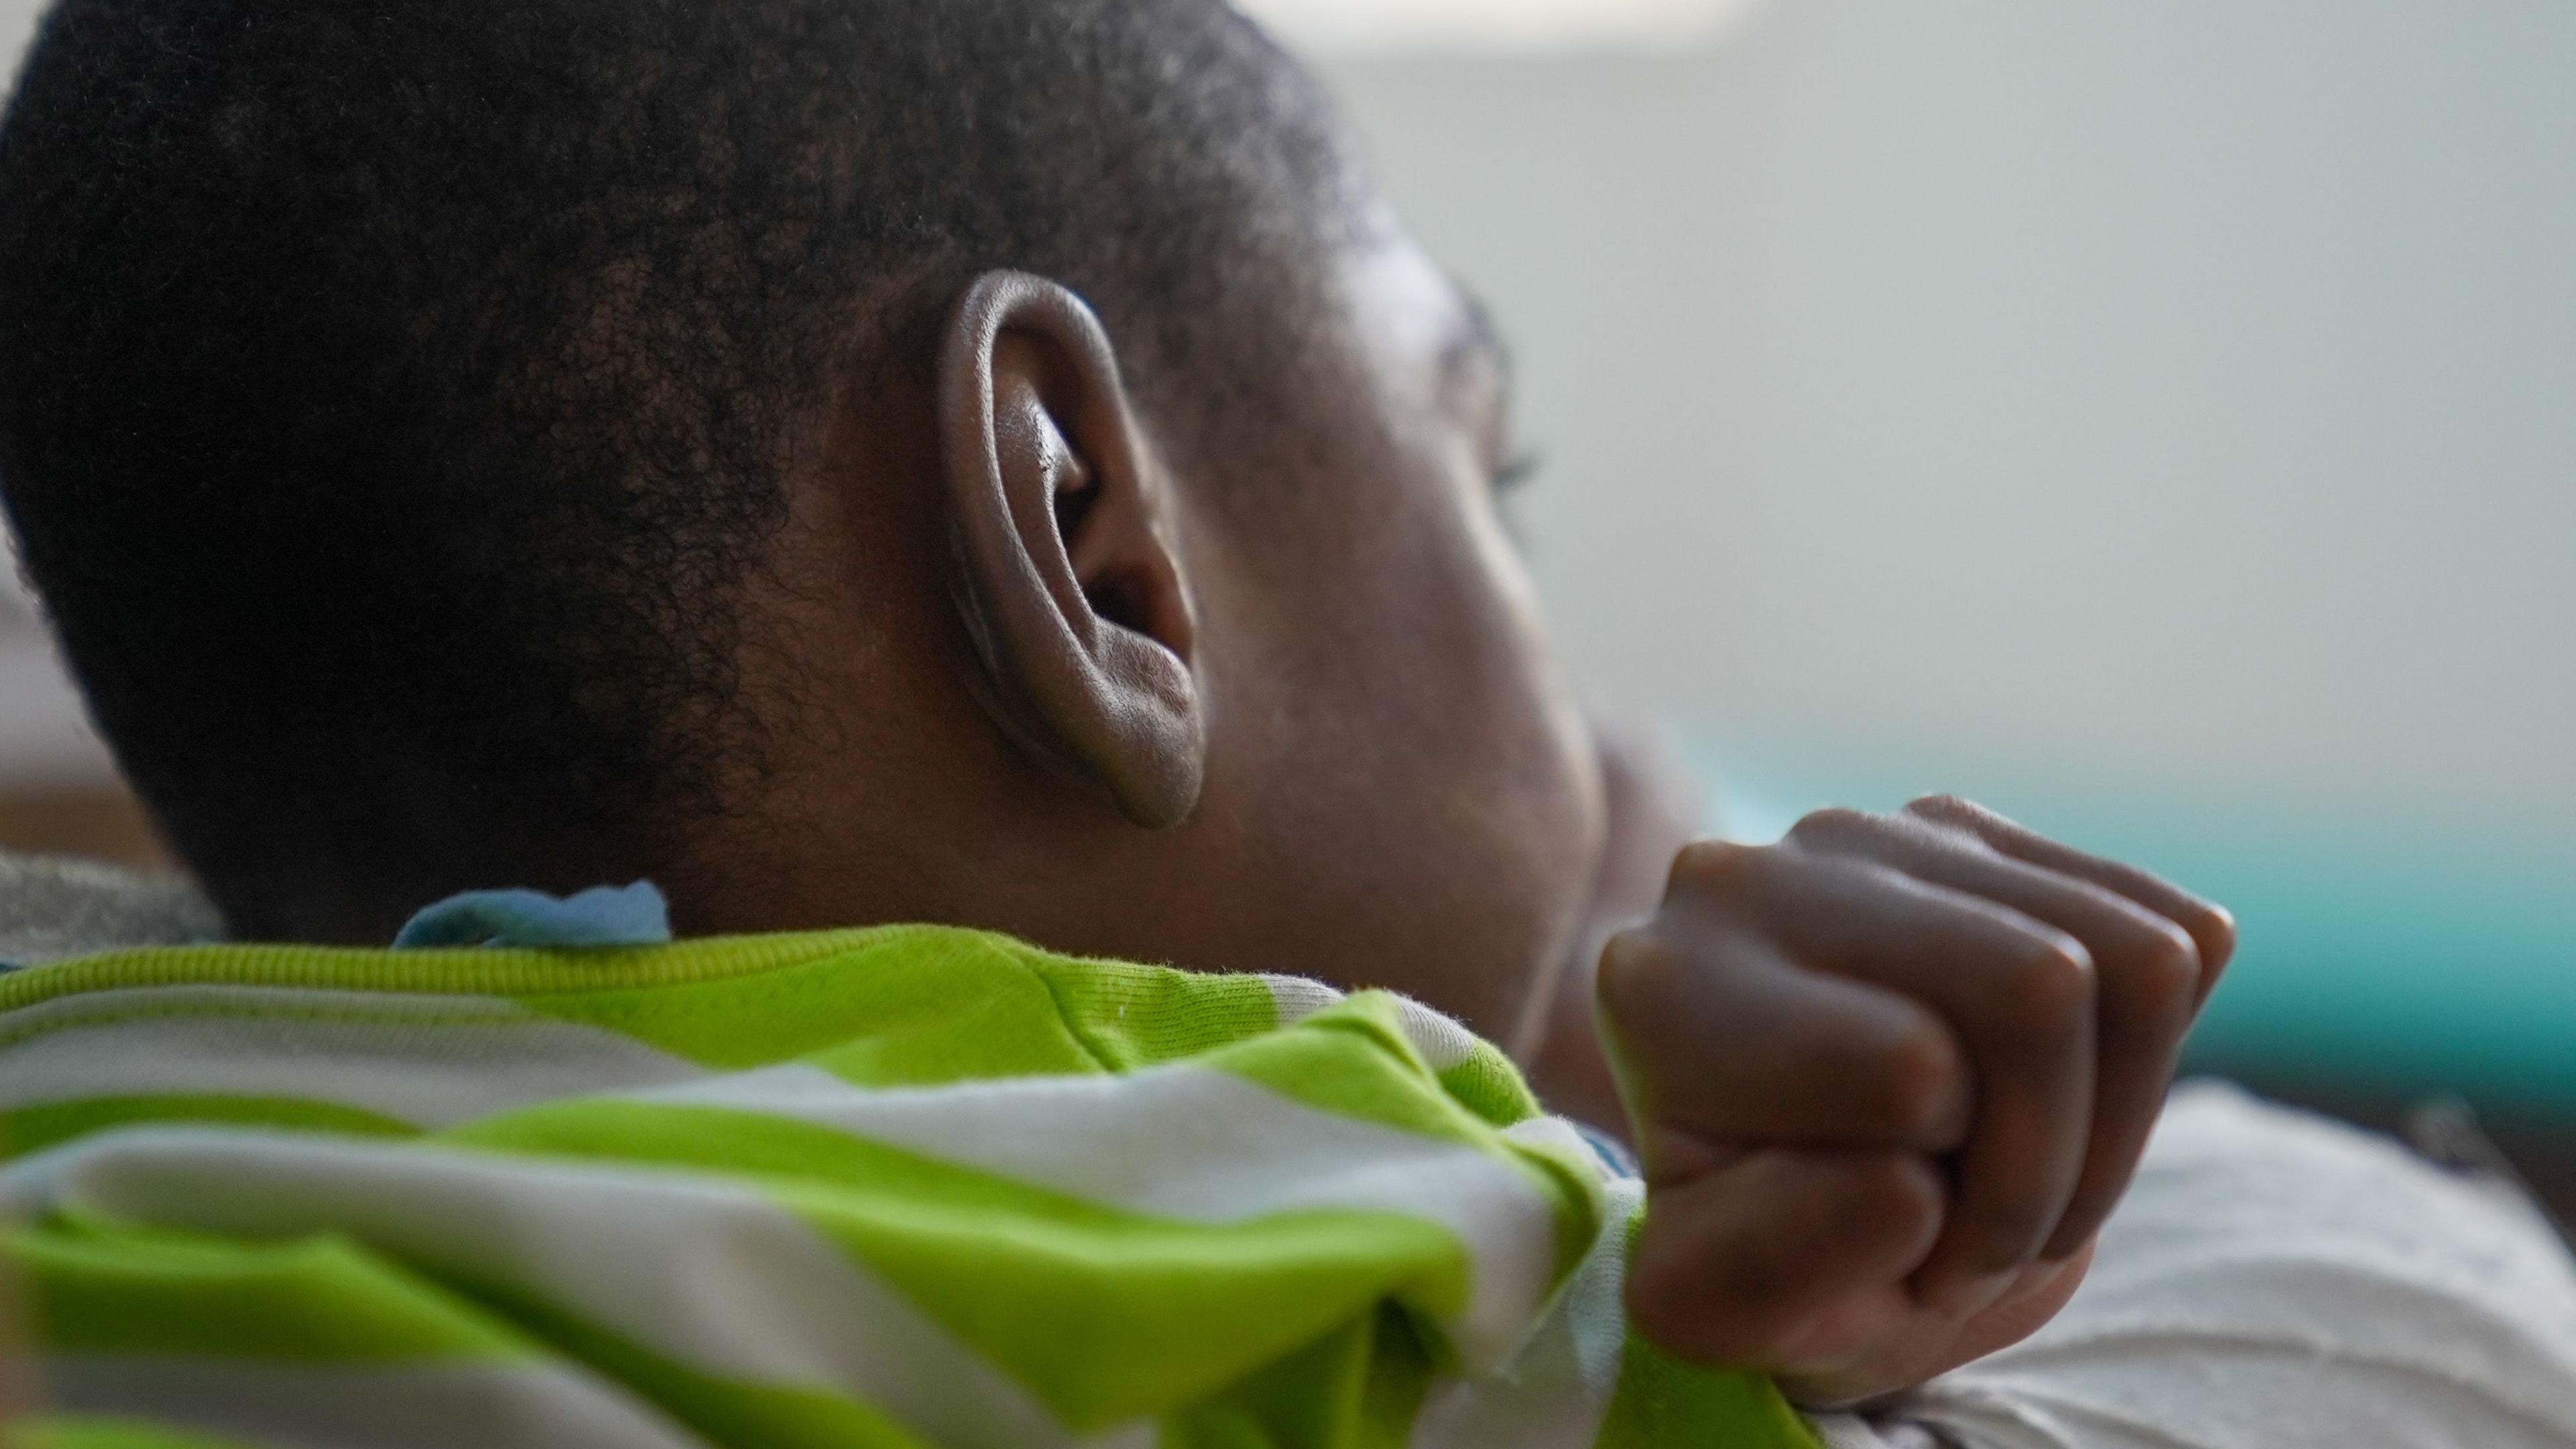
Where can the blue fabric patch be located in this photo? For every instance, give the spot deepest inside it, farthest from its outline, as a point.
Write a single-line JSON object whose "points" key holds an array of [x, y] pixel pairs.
{"points": [[1613, 1153], [629, 915]]}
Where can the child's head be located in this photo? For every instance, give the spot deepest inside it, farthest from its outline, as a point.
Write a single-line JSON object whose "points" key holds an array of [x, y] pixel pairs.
{"points": [[550, 441]]}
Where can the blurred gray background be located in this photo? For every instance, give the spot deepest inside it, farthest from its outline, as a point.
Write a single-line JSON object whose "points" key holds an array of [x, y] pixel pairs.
{"points": [[2186, 390]]}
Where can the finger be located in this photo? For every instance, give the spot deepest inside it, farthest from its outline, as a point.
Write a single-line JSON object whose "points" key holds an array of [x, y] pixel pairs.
{"points": [[1784, 1257], [2017, 992], [1929, 1346], [1713, 1032], [2211, 928], [2147, 972]]}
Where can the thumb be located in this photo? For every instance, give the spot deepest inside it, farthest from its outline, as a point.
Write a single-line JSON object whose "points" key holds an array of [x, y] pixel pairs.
{"points": [[1778, 1259]]}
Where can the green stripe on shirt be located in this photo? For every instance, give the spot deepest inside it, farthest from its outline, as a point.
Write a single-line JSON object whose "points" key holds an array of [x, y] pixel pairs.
{"points": [[906, 1186]]}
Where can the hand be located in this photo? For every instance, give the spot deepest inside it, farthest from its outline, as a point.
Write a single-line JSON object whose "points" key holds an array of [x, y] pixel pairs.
{"points": [[1887, 1078]]}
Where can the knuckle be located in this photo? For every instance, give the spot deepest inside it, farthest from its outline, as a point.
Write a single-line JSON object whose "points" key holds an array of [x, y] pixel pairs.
{"points": [[2165, 974], [1708, 865], [1921, 1085], [2215, 925], [1633, 965], [1833, 823], [1944, 806], [2049, 987], [1893, 1196]]}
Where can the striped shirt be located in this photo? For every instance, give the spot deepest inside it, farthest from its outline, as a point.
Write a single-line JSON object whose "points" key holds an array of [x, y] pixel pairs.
{"points": [[910, 1187]]}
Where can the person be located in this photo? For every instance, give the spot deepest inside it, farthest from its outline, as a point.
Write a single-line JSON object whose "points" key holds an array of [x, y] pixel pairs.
{"points": [[961, 498]]}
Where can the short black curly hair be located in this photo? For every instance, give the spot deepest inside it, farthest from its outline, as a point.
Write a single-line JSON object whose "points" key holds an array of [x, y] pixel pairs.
{"points": [[395, 396]]}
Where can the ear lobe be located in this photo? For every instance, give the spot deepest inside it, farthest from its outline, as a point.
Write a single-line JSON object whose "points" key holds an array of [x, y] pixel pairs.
{"points": [[1070, 583]]}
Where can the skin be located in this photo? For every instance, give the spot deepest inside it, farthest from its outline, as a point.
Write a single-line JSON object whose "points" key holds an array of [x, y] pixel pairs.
{"points": [[1393, 786], [1028, 661]]}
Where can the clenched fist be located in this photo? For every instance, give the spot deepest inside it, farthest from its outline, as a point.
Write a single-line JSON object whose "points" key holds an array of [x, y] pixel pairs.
{"points": [[1887, 1078]]}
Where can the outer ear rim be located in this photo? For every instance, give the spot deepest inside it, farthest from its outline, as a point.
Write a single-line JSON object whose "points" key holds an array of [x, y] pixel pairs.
{"points": [[1081, 694]]}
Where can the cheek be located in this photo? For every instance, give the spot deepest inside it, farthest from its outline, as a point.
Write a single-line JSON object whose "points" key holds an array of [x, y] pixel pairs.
{"points": [[1401, 788], [1494, 765], [1538, 738]]}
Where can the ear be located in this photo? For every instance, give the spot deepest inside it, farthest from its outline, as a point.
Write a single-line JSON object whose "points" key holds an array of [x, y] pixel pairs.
{"points": [[1069, 579]]}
